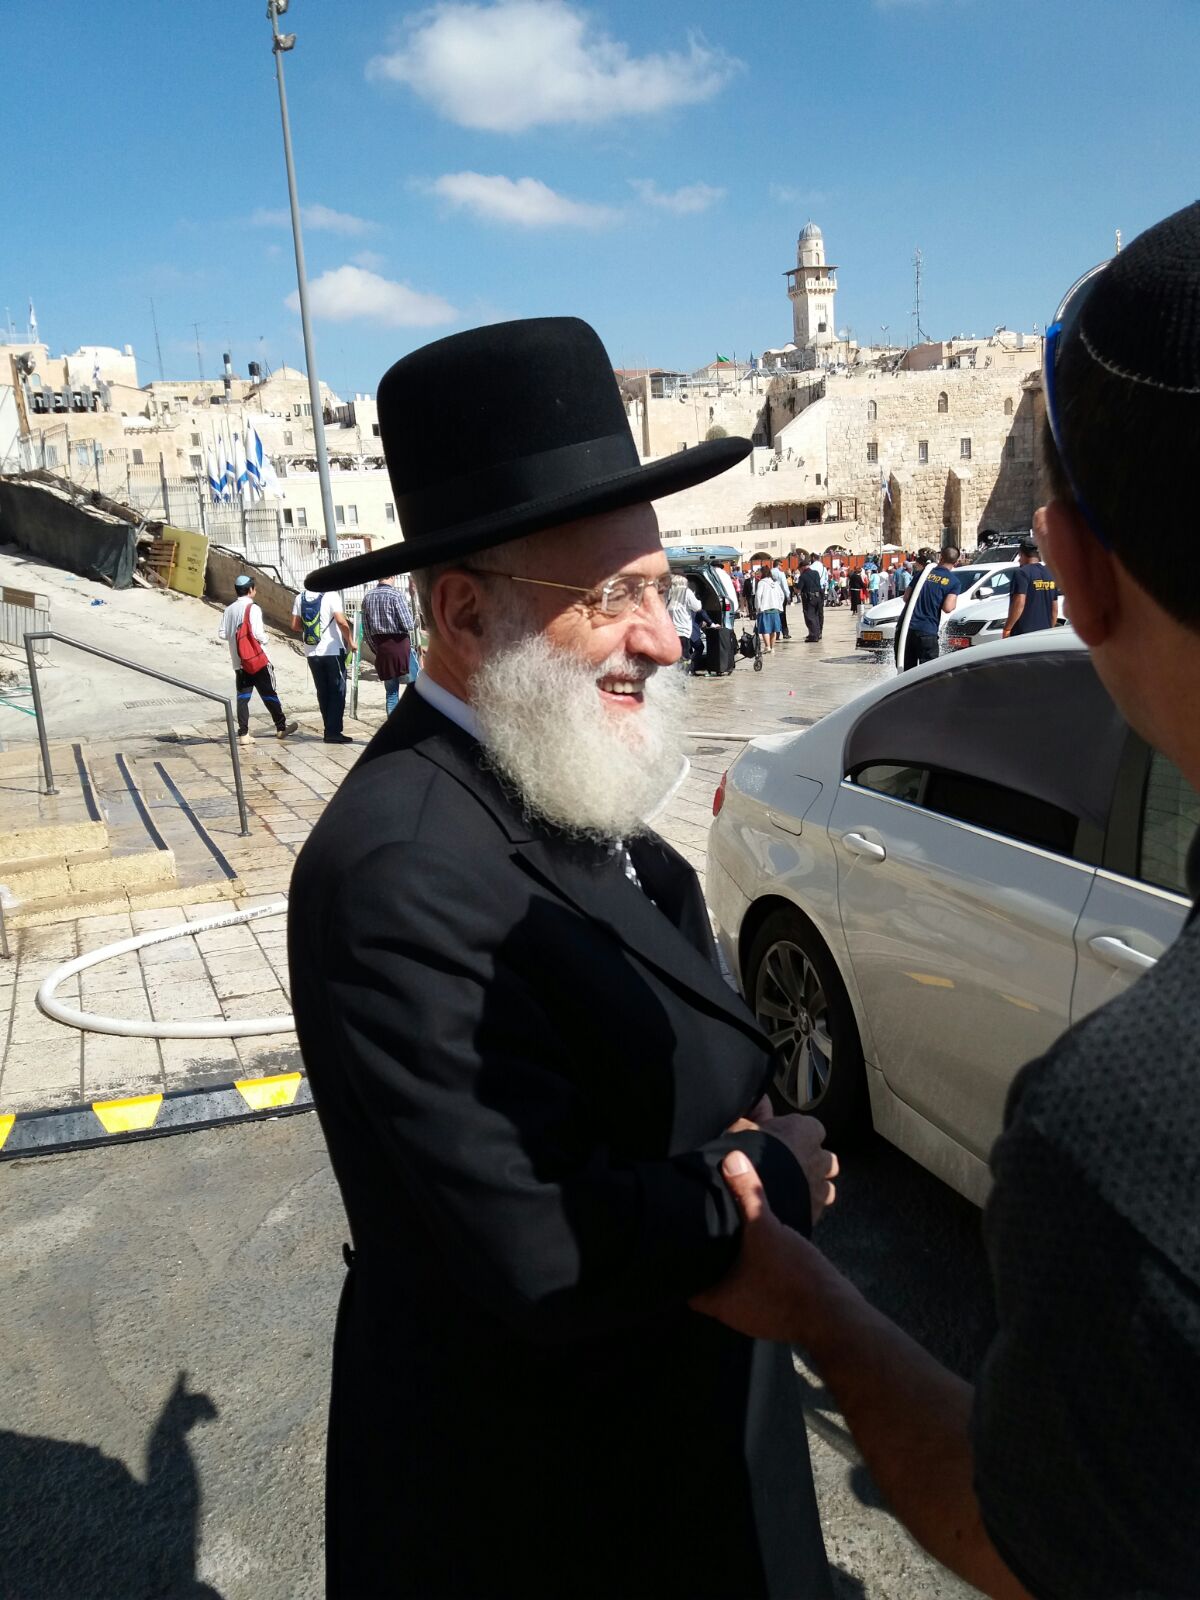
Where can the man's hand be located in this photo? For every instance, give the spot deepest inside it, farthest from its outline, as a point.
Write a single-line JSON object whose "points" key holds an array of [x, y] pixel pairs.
{"points": [[804, 1137], [760, 1296]]}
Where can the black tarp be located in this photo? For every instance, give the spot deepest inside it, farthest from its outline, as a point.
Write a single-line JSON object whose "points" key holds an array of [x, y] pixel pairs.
{"points": [[46, 524]]}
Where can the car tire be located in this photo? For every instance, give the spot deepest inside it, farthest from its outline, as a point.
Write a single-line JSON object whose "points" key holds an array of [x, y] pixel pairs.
{"points": [[798, 997]]}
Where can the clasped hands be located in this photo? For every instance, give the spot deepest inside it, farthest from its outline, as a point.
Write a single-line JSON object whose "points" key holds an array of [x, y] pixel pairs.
{"points": [[805, 1138]]}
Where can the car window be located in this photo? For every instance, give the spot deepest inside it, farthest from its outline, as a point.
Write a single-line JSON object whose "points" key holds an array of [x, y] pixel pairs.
{"points": [[1036, 724], [1000, 582], [1170, 818], [1001, 810], [890, 778]]}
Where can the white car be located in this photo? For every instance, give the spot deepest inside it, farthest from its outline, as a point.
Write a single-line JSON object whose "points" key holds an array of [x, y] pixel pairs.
{"points": [[922, 891], [877, 623], [980, 622]]}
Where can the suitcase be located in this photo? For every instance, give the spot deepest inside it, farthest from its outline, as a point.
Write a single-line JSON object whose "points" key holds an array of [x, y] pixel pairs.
{"points": [[720, 651]]}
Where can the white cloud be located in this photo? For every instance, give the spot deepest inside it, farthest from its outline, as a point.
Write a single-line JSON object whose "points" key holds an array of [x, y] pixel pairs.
{"points": [[322, 219], [786, 194], [692, 197], [520, 64], [368, 258], [521, 202], [349, 293]]}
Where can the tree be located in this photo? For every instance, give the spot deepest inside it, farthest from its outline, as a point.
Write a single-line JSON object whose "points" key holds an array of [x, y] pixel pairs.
{"points": [[716, 432]]}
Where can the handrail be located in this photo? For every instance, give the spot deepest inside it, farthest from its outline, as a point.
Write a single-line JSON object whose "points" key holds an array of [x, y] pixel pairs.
{"points": [[147, 672]]}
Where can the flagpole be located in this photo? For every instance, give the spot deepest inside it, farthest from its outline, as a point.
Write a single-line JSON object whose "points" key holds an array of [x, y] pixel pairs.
{"points": [[280, 43]]}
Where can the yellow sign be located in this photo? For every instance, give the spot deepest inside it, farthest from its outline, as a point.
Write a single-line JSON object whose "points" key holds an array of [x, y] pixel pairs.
{"points": [[191, 558]]}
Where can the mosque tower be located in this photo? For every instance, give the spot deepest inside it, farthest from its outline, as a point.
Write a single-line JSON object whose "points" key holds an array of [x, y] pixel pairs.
{"points": [[812, 289]]}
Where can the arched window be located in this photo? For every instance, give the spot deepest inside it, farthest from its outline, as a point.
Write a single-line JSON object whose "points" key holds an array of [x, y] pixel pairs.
{"points": [[943, 401], [872, 411], [1008, 407]]}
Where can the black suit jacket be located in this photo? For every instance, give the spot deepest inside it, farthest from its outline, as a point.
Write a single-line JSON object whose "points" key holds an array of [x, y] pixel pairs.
{"points": [[524, 1066]]}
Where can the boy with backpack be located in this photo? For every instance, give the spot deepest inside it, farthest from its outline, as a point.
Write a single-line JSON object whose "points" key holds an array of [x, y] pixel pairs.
{"points": [[242, 626], [326, 637]]}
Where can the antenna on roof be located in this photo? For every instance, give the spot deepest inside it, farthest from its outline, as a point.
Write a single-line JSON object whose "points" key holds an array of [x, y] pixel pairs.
{"points": [[918, 260], [1118, 249], [158, 347]]}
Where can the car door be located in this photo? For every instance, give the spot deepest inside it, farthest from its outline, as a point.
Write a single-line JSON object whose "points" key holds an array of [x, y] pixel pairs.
{"points": [[1139, 900], [965, 857]]}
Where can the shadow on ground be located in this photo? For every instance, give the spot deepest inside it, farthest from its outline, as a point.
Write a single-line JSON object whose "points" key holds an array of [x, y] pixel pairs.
{"points": [[80, 1524]]}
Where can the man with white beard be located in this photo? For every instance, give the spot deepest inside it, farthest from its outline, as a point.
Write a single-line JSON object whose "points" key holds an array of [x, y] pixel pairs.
{"points": [[526, 1063]]}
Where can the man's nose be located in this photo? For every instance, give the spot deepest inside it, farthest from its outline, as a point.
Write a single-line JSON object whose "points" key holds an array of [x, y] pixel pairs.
{"points": [[651, 632]]}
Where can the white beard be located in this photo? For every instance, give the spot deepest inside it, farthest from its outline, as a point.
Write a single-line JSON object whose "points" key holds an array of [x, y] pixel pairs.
{"points": [[589, 770]]}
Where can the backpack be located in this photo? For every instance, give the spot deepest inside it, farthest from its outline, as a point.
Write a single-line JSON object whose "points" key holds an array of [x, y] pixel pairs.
{"points": [[250, 653], [310, 619]]}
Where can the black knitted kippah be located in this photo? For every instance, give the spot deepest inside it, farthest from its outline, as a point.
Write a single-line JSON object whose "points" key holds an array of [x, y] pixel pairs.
{"points": [[1141, 319]]}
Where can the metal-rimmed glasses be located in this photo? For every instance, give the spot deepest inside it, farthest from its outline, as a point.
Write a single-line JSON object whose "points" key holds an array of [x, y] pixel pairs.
{"points": [[614, 598], [1065, 319]]}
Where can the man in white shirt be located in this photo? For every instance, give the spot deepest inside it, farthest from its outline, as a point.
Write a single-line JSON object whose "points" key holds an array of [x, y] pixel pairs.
{"points": [[683, 608], [251, 665], [785, 594], [326, 637]]}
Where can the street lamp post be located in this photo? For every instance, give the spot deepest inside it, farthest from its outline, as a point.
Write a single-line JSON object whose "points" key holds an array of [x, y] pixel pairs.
{"points": [[279, 44]]}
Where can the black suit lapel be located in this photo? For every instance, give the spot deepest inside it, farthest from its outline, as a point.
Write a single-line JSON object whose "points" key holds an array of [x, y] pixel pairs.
{"points": [[597, 886]]}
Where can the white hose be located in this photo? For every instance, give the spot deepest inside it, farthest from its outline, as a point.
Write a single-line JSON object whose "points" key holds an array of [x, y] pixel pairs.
{"points": [[140, 1027]]}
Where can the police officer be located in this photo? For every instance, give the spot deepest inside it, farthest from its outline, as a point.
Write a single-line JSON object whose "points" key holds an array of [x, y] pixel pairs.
{"points": [[1034, 602], [935, 598]]}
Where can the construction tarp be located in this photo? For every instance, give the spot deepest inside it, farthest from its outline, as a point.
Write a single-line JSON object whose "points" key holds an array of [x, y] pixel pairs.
{"points": [[48, 524]]}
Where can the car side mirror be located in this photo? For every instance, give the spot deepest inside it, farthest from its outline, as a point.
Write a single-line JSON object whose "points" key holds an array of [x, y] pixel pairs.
{"points": [[984, 591]]}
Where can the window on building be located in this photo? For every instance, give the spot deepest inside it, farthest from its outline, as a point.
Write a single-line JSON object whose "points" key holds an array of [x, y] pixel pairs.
{"points": [[83, 456], [818, 480], [137, 459], [943, 403], [923, 452], [964, 449], [51, 455], [375, 429], [301, 517], [197, 463], [389, 511], [181, 400], [287, 438], [872, 451], [307, 410], [195, 438], [820, 327], [339, 516], [352, 516], [1010, 447], [287, 518], [872, 411], [1008, 407]]}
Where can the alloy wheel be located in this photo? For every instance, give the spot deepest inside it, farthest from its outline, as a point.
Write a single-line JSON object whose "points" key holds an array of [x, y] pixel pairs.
{"points": [[793, 1011]]}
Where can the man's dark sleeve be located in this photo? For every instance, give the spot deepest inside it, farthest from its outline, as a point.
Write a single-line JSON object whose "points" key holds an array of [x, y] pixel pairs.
{"points": [[1086, 1411], [450, 1051], [1020, 583]]}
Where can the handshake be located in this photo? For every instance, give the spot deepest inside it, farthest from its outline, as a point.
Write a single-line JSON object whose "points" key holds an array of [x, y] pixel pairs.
{"points": [[805, 1138]]}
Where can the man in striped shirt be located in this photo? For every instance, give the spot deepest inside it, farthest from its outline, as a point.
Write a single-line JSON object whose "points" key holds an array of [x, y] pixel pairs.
{"points": [[387, 624]]}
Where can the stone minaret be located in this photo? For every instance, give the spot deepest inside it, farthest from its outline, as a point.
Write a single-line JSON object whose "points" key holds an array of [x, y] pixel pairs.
{"points": [[812, 289]]}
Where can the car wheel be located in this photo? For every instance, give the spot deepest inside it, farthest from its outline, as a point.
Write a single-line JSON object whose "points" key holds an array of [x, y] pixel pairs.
{"points": [[801, 1004]]}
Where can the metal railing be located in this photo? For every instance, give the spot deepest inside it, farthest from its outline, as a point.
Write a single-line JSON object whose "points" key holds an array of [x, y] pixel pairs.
{"points": [[147, 672]]}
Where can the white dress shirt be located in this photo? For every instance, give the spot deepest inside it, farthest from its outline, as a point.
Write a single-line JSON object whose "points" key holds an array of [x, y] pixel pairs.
{"points": [[459, 712]]}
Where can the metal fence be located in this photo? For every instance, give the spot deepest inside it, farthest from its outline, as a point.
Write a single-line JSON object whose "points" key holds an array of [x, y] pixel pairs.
{"points": [[22, 612]]}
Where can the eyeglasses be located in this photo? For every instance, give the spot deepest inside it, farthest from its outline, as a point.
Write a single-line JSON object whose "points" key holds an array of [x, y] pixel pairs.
{"points": [[1065, 320], [613, 599]]}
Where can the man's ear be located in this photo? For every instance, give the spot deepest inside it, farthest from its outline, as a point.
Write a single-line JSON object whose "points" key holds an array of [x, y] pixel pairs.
{"points": [[456, 604], [1082, 567]]}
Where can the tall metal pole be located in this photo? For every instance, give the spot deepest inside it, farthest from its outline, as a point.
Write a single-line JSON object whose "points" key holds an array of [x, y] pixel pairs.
{"points": [[282, 42]]}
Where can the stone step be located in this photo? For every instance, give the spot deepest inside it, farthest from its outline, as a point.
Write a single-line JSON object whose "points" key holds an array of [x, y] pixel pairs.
{"points": [[63, 877], [30, 845]]}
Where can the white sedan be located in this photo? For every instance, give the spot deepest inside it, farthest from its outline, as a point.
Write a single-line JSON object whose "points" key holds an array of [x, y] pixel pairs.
{"points": [[981, 622], [978, 581], [922, 891]]}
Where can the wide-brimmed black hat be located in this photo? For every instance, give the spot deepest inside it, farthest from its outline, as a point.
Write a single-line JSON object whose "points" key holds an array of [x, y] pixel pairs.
{"points": [[506, 430]]}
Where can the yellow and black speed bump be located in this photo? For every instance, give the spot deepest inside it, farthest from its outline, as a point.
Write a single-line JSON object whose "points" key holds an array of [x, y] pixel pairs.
{"points": [[34, 1133]]}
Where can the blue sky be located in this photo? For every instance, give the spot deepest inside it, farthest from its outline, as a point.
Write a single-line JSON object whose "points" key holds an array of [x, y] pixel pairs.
{"points": [[646, 167]]}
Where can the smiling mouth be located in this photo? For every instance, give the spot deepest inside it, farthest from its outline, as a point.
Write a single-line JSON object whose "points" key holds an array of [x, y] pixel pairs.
{"points": [[628, 692]]}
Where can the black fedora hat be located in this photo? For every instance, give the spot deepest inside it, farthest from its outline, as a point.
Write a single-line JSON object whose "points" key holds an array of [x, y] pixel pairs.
{"points": [[506, 430]]}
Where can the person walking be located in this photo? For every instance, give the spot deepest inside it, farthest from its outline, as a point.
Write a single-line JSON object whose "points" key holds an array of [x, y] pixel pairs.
{"points": [[526, 1062], [684, 609], [388, 628], [1070, 1467], [768, 604], [873, 584], [902, 579], [937, 599], [783, 579], [242, 627], [811, 601], [326, 636], [1033, 604], [854, 588]]}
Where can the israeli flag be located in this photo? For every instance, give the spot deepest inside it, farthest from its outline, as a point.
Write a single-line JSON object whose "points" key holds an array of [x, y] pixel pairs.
{"points": [[216, 480], [241, 474], [254, 461]]}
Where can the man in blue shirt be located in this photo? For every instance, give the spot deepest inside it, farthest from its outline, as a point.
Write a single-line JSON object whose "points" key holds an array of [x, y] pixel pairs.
{"points": [[934, 598], [1034, 602]]}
